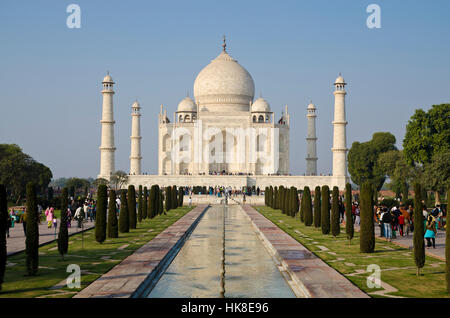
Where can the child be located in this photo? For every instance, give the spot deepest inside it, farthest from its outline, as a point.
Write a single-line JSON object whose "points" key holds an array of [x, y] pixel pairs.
{"points": [[401, 224]]}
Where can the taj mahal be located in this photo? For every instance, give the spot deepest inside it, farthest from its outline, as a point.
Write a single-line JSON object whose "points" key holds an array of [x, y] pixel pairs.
{"points": [[223, 136]]}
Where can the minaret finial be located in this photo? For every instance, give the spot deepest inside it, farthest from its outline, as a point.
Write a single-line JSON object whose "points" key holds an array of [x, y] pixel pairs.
{"points": [[224, 45]]}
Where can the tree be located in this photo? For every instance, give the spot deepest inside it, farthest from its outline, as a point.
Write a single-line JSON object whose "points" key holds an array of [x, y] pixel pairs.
{"points": [[124, 219], [447, 247], [180, 196], [335, 224], [77, 184], [63, 235], [418, 237], [100, 218], [160, 205], [132, 206], [144, 204], [427, 133], [118, 179], [18, 168], [174, 200], [294, 201], [367, 228], [276, 202], [436, 174], [140, 204], [349, 226], [168, 198], [99, 181], [325, 212], [363, 159], [317, 211], [50, 194], [153, 202], [3, 227], [308, 216], [112, 226], [32, 231]]}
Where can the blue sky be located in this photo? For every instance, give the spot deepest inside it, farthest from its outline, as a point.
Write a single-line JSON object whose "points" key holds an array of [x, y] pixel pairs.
{"points": [[50, 75]]}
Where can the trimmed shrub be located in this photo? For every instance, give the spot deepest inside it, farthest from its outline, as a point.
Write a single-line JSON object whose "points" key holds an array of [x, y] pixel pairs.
{"points": [[307, 214], [276, 203], [174, 200], [294, 201], [180, 196], [418, 237], [144, 203], [161, 204], [153, 202], [112, 225], [100, 218], [447, 246], [325, 210], [63, 235], [140, 205], [367, 228], [168, 203], [132, 206], [3, 227], [335, 224], [349, 227], [317, 205], [124, 219], [32, 232]]}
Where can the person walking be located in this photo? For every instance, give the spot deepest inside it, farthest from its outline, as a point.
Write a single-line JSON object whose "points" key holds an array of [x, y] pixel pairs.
{"points": [[430, 234], [386, 218], [189, 202], [49, 216], [357, 215]]}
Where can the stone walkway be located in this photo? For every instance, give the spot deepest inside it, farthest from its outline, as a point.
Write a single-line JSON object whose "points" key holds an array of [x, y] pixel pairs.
{"points": [[131, 277], [317, 279], [15, 243], [407, 242]]}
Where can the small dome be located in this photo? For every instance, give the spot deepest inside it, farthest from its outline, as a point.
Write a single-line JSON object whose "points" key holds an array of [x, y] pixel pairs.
{"points": [[108, 79], [260, 105], [136, 104], [187, 105], [311, 106], [340, 80]]}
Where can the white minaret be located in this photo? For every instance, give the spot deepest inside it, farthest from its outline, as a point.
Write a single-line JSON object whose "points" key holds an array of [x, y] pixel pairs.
{"points": [[107, 148], [135, 155], [339, 135], [311, 139]]}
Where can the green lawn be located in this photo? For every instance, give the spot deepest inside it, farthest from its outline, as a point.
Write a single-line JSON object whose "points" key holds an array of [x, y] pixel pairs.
{"points": [[396, 263], [93, 258]]}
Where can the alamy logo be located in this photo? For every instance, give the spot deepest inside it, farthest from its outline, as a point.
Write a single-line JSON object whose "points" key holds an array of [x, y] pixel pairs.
{"points": [[374, 19], [74, 19], [74, 279], [374, 279]]}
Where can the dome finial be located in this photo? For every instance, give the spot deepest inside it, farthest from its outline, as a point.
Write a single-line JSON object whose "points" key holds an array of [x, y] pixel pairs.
{"points": [[224, 45]]}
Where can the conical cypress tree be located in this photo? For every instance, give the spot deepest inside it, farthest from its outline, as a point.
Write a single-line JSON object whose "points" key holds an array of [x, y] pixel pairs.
{"points": [[302, 208], [112, 225], [281, 198], [294, 202], [275, 198], [367, 228], [418, 237], [132, 206], [168, 194], [174, 200], [308, 216], [335, 224], [153, 202], [124, 219], [144, 203], [265, 196], [317, 205], [447, 247], [286, 200], [159, 194], [161, 205], [180, 196], [63, 235], [3, 228], [349, 228], [140, 205], [100, 219], [325, 210], [32, 232]]}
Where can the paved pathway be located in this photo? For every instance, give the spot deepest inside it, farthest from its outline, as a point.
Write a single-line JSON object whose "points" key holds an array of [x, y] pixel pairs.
{"points": [[407, 242], [314, 276], [16, 241]]}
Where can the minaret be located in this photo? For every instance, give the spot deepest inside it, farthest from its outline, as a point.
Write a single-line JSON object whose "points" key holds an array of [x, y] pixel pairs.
{"points": [[135, 154], [311, 140], [339, 135], [107, 148]]}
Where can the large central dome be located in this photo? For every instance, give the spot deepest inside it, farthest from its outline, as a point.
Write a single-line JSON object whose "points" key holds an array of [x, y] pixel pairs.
{"points": [[224, 85]]}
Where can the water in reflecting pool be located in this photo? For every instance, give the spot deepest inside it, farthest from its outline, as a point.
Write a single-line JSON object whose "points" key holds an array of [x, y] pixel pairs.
{"points": [[201, 270]]}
